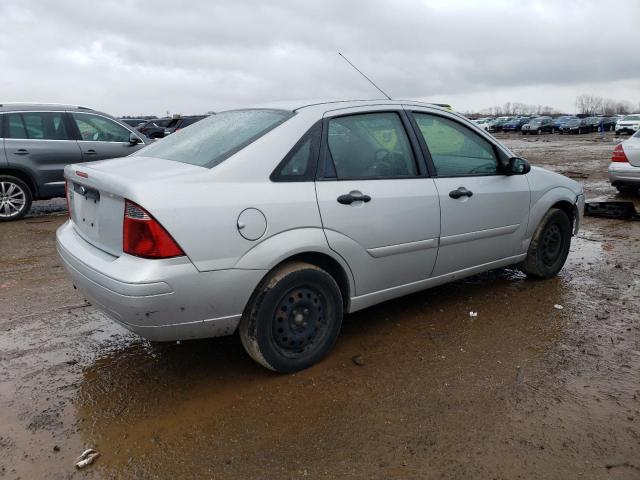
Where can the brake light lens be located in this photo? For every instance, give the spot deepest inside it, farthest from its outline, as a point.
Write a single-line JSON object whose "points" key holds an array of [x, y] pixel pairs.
{"points": [[67, 194], [618, 154], [144, 237]]}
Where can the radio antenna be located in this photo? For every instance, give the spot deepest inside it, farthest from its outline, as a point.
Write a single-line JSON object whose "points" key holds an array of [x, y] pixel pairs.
{"points": [[368, 79]]}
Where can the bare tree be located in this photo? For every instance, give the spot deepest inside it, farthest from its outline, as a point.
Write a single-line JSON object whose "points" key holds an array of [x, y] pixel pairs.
{"points": [[589, 104]]}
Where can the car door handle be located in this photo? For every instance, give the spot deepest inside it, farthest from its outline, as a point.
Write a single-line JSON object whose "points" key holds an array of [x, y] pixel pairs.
{"points": [[349, 198], [91, 152], [460, 192], [21, 151]]}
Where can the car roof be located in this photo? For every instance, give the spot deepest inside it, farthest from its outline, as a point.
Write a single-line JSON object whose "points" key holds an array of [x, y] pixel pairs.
{"points": [[324, 105], [14, 106]]}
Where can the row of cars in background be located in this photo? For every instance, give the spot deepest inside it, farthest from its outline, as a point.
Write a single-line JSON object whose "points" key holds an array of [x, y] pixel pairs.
{"points": [[561, 124], [38, 140], [160, 127]]}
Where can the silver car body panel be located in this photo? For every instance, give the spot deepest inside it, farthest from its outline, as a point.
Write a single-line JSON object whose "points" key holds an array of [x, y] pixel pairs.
{"points": [[426, 239]]}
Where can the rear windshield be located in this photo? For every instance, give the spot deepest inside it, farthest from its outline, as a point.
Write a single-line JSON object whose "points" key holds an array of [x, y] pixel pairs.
{"points": [[211, 141]]}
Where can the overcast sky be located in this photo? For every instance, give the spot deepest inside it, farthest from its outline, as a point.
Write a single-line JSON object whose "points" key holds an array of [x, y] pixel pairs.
{"points": [[150, 57]]}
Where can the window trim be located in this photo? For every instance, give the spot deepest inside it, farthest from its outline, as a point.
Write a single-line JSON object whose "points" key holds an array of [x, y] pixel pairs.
{"points": [[326, 159], [314, 131], [501, 157], [78, 135], [4, 126]]}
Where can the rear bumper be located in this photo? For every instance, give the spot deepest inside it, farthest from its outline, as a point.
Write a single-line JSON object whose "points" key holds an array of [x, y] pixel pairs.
{"points": [[623, 173], [160, 300]]}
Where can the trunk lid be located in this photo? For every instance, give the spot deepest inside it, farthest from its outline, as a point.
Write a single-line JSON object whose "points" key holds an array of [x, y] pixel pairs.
{"points": [[97, 193]]}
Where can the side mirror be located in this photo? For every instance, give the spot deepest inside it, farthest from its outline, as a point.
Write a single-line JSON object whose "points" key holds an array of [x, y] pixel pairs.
{"points": [[134, 139], [518, 166]]}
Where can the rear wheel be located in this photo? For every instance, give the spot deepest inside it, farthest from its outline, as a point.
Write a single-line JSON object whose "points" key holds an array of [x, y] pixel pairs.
{"points": [[15, 198], [549, 246], [293, 318]]}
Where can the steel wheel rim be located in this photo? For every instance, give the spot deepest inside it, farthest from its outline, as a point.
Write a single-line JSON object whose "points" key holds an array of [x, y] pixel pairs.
{"points": [[12, 199], [300, 321], [552, 242]]}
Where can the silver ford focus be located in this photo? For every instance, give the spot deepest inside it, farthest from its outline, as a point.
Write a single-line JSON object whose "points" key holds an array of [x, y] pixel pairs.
{"points": [[276, 222]]}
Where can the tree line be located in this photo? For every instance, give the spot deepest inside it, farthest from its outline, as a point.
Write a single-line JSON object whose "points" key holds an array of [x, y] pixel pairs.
{"points": [[585, 105]]}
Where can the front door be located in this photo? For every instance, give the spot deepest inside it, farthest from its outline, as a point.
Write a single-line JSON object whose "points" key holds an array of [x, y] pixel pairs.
{"points": [[484, 212], [100, 137], [379, 210]]}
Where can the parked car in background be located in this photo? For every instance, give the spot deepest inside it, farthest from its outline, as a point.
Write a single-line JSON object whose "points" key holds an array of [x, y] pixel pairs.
{"points": [[496, 124], [155, 128], [134, 122], [39, 140], [575, 125], [609, 123], [538, 126], [239, 222], [628, 124], [624, 169], [593, 123], [483, 123], [181, 122], [559, 122], [515, 124]]}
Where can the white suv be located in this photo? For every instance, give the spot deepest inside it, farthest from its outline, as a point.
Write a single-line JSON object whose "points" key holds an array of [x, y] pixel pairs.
{"points": [[629, 124]]}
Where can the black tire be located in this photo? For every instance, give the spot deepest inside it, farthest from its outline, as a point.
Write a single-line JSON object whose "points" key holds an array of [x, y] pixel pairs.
{"points": [[549, 246], [15, 198], [293, 318]]}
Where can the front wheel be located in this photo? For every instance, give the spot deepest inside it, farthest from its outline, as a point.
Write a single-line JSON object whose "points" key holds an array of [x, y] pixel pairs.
{"points": [[15, 198], [549, 246], [293, 318]]}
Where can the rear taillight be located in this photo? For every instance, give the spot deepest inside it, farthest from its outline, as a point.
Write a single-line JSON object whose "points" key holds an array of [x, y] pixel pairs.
{"points": [[144, 237], [618, 154], [67, 194]]}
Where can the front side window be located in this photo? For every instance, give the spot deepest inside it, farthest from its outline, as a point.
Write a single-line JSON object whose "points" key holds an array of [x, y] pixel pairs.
{"points": [[37, 126], [455, 149], [95, 128], [211, 141], [370, 145]]}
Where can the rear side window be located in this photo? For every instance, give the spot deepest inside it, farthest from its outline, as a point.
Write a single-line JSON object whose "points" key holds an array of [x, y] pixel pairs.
{"points": [[299, 165], [370, 145], [211, 141], [455, 149], [37, 126]]}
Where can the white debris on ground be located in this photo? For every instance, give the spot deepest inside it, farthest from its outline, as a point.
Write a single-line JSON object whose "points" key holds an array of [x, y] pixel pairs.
{"points": [[86, 458], [473, 314], [558, 307]]}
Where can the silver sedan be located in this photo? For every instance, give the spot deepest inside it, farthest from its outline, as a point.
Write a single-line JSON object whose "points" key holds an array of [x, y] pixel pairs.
{"points": [[624, 169], [275, 222]]}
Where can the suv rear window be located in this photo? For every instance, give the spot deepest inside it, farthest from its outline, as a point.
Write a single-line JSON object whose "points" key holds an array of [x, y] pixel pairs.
{"points": [[211, 141]]}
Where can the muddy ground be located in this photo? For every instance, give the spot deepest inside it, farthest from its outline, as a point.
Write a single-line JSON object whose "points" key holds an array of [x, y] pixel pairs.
{"points": [[525, 390]]}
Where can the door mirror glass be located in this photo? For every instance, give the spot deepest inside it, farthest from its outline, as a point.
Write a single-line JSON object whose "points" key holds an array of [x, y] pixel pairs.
{"points": [[134, 139], [518, 166]]}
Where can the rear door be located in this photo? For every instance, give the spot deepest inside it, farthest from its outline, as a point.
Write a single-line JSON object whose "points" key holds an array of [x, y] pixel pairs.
{"points": [[484, 213], [100, 137], [41, 144], [378, 207]]}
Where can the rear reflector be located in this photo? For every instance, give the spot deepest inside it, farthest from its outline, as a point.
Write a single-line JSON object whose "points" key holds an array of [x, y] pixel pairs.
{"points": [[82, 174], [618, 154], [144, 237]]}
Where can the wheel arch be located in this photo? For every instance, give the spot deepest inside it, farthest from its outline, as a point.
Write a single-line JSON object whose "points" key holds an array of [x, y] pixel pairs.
{"points": [[311, 247], [24, 176], [559, 197]]}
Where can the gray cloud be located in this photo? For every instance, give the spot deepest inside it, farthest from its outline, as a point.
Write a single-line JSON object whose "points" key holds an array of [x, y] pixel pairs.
{"points": [[132, 57]]}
